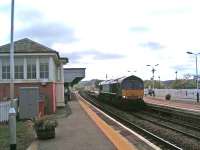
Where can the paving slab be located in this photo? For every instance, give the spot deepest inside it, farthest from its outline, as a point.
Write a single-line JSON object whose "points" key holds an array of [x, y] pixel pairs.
{"points": [[185, 105], [76, 131]]}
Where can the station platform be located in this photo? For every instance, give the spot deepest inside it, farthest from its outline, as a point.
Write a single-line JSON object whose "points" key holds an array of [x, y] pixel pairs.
{"points": [[81, 129], [179, 104]]}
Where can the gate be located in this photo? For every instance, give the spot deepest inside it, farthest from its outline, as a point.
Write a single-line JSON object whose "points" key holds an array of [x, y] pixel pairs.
{"points": [[28, 102]]}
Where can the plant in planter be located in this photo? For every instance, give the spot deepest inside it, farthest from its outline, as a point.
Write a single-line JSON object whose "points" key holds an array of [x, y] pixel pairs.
{"points": [[45, 128]]}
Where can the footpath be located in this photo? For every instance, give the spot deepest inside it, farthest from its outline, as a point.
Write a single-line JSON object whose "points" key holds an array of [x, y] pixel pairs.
{"points": [[75, 131]]}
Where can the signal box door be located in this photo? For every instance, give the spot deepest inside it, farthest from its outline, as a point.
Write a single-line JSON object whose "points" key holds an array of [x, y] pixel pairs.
{"points": [[28, 102]]}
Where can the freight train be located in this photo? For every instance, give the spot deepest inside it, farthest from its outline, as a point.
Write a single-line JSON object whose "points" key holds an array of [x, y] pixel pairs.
{"points": [[125, 92]]}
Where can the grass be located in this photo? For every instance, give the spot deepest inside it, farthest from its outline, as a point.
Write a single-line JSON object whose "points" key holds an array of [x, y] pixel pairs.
{"points": [[61, 112], [25, 135]]}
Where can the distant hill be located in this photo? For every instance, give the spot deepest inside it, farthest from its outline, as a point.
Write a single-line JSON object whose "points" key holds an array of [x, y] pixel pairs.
{"points": [[89, 83], [167, 82]]}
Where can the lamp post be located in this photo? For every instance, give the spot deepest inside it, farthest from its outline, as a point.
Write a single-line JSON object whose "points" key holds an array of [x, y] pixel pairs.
{"points": [[153, 71], [197, 79], [12, 53], [12, 111], [176, 74], [159, 81]]}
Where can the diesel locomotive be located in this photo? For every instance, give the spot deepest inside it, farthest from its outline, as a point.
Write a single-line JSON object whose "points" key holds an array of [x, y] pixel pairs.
{"points": [[125, 92]]}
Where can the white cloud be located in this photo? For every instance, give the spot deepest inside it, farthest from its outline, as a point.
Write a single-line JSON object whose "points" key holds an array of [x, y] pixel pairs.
{"points": [[106, 27]]}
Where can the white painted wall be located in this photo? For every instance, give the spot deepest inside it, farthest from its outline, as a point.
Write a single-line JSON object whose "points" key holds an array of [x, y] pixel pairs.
{"points": [[177, 94], [60, 94], [25, 68], [24, 60], [60, 86], [51, 68]]}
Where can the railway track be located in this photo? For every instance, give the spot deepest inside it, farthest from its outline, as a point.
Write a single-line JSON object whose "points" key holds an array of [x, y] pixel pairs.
{"points": [[193, 117], [171, 127], [173, 121], [164, 144]]}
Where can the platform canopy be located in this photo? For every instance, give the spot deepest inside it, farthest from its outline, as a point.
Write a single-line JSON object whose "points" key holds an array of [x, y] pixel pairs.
{"points": [[73, 75]]}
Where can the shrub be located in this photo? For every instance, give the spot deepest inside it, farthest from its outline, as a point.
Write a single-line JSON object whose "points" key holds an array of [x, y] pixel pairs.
{"points": [[43, 123], [45, 128], [168, 97]]}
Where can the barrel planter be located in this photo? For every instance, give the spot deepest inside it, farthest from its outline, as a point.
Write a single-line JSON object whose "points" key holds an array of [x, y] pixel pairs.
{"points": [[45, 128], [43, 134]]}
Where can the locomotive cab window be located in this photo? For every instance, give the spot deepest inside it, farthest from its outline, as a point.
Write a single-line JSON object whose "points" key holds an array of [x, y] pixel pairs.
{"points": [[134, 84]]}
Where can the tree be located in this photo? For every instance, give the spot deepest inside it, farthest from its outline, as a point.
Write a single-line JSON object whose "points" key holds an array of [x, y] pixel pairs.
{"points": [[182, 84], [147, 83], [158, 85], [187, 76]]}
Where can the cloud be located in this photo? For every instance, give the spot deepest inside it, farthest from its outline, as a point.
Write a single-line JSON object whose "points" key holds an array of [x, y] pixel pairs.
{"points": [[182, 68], [32, 23], [21, 12], [139, 29], [48, 33], [28, 15], [152, 45], [4, 8], [171, 11], [74, 57]]}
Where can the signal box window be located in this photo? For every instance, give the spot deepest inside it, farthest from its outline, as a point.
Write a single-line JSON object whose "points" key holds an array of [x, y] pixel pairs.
{"points": [[6, 71], [31, 69], [19, 71], [44, 70]]}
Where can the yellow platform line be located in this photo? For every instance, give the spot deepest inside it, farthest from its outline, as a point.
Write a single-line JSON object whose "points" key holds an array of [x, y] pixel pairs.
{"points": [[118, 140]]}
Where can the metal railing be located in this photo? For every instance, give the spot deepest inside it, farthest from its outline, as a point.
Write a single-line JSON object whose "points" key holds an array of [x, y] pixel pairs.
{"points": [[4, 109], [177, 94]]}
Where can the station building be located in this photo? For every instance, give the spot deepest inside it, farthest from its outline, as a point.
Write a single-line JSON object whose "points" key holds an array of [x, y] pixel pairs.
{"points": [[35, 66]]}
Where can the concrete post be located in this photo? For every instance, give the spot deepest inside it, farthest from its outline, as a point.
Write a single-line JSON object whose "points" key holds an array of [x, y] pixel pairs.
{"points": [[0, 68], [25, 68], [12, 128]]}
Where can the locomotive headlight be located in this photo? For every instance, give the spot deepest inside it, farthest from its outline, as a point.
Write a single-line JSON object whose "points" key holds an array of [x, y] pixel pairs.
{"points": [[124, 97]]}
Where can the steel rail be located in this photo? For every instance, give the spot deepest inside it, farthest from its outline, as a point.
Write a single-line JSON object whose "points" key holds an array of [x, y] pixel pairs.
{"points": [[178, 112], [190, 126], [166, 126]]}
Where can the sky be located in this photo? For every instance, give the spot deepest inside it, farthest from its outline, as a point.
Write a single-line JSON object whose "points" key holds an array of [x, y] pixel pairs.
{"points": [[112, 37]]}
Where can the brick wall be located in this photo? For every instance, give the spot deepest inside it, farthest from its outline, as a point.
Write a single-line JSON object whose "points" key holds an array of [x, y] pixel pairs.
{"points": [[48, 91]]}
